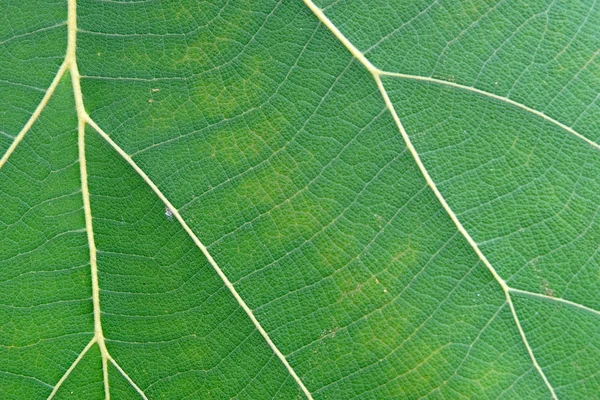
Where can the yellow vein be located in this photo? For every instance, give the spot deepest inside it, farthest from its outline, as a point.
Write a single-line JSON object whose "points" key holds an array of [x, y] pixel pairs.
{"points": [[71, 61], [376, 71], [131, 382], [555, 299], [377, 76], [493, 96], [204, 250], [340, 36], [462, 230], [36, 113], [71, 368]]}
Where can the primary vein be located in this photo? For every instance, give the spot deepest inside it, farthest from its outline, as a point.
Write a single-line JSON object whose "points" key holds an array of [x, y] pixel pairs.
{"points": [[70, 64], [71, 61]]}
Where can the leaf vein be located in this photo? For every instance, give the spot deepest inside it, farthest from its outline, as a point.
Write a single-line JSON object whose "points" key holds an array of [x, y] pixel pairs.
{"points": [[204, 250], [377, 77]]}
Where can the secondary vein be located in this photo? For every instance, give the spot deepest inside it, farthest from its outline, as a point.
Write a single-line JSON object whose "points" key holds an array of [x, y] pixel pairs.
{"points": [[208, 256], [377, 77]]}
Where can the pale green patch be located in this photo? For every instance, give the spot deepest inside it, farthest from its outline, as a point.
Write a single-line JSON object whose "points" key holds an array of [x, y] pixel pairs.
{"points": [[328, 199]]}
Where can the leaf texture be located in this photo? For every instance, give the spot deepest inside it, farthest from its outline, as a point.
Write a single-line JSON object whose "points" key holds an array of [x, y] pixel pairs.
{"points": [[335, 199]]}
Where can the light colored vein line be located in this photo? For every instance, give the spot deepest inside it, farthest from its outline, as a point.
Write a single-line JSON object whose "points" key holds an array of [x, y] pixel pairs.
{"points": [[340, 36], [133, 79], [493, 96], [21, 376], [377, 76], [555, 299], [376, 71], [131, 382], [7, 135], [136, 35], [45, 28], [204, 250], [71, 61], [71, 368], [467, 355], [461, 229], [22, 85], [36, 113]]}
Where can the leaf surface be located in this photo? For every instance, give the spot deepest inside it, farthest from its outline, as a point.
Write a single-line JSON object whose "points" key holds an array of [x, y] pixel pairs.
{"points": [[339, 200]]}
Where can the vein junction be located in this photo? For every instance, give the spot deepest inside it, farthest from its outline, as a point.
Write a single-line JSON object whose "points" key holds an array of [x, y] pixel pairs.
{"points": [[377, 73], [83, 119], [70, 64]]}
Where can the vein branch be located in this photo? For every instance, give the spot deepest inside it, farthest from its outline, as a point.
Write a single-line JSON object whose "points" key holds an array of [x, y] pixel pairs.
{"points": [[131, 382], [376, 71], [493, 96], [71, 368], [204, 250], [462, 230], [36, 113], [555, 299], [377, 77]]}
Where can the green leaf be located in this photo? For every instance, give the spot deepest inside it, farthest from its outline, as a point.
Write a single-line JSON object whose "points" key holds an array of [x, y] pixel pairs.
{"points": [[330, 200]]}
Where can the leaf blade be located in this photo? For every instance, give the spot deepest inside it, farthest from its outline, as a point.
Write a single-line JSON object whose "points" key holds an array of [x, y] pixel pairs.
{"points": [[343, 236]]}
